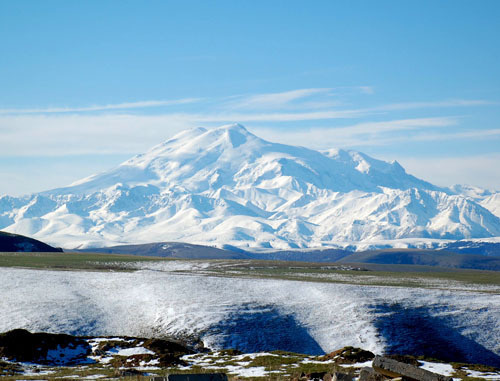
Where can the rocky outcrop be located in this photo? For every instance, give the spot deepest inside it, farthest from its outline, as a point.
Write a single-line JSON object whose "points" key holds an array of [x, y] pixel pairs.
{"points": [[43, 348], [60, 349], [168, 352], [323, 376], [193, 377], [349, 355], [395, 369]]}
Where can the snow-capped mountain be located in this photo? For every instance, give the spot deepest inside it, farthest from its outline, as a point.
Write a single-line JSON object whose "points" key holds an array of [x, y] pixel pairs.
{"points": [[226, 186], [486, 198]]}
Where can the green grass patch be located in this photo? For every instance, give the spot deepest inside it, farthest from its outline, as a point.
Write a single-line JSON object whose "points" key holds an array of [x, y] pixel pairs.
{"points": [[380, 276], [372, 275], [71, 261]]}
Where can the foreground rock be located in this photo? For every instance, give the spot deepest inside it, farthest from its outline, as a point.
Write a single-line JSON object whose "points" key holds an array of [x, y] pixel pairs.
{"points": [[394, 369], [193, 377], [59, 349], [25, 355], [43, 348], [349, 355]]}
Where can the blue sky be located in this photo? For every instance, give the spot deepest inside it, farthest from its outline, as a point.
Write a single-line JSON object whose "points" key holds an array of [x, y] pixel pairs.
{"points": [[86, 84]]}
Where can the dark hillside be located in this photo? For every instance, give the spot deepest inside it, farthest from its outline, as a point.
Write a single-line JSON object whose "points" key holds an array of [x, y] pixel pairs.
{"points": [[471, 247], [18, 243], [170, 250], [425, 258]]}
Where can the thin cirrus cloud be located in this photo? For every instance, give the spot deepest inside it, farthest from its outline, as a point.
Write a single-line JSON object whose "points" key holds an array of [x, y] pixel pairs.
{"points": [[77, 129], [305, 98], [279, 116], [428, 137], [273, 100], [72, 134], [307, 104], [259, 101], [310, 111], [378, 134], [370, 133], [108, 107], [436, 104]]}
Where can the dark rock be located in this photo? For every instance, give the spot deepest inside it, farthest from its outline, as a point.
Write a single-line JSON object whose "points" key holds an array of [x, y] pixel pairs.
{"points": [[105, 346], [127, 373], [193, 377], [338, 376], [9, 369], [168, 352], [230, 352], [130, 361], [160, 346], [316, 376], [43, 348], [411, 360], [350, 355], [369, 374], [392, 368]]}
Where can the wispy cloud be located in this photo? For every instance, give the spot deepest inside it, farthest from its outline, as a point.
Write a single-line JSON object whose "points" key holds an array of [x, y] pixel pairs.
{"points": [[318, 109], [108, 107], [274, 100], [385, 140], [366, 89], [278, 116], [77, 130], [122, 129], [62, 134], [299, 98], [396, 125], [370, 133], [288, 106], [378, 133], [434, 104], [71, 134]]}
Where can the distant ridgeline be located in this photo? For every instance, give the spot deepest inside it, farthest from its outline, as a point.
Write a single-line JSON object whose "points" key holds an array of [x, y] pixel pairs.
{"points": [[19, 243]]}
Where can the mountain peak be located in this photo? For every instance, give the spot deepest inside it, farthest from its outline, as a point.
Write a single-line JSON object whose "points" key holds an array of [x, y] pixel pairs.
{"points": [[233, 127], [225, 185], [235, 134], [203, 136]]}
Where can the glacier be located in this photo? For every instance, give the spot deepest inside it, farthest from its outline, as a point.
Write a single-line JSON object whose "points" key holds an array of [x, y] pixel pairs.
{"points": [[226, 186]]}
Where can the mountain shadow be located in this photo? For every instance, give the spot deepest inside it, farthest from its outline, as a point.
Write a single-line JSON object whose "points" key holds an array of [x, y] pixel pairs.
{"points": [[256, 329], [415, 331]]}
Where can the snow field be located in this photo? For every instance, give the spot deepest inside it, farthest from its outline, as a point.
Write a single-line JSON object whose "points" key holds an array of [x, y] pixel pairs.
{"points": [[155, 303]]}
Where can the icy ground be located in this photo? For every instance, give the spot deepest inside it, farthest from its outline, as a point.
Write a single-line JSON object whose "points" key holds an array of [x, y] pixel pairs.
{"points": [[253, 314]]}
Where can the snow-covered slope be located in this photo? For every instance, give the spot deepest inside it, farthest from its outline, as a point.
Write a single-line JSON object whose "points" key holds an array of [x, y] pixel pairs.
{"points": [[486, 198], [227, 186], [492, 203], [253, 314]]}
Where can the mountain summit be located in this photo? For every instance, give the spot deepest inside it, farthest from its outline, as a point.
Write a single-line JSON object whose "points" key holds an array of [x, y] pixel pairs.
{"points": [[227, 186]]}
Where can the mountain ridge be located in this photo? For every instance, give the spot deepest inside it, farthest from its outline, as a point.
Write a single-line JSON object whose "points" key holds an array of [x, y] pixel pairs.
{"points": [[226, 186]]}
